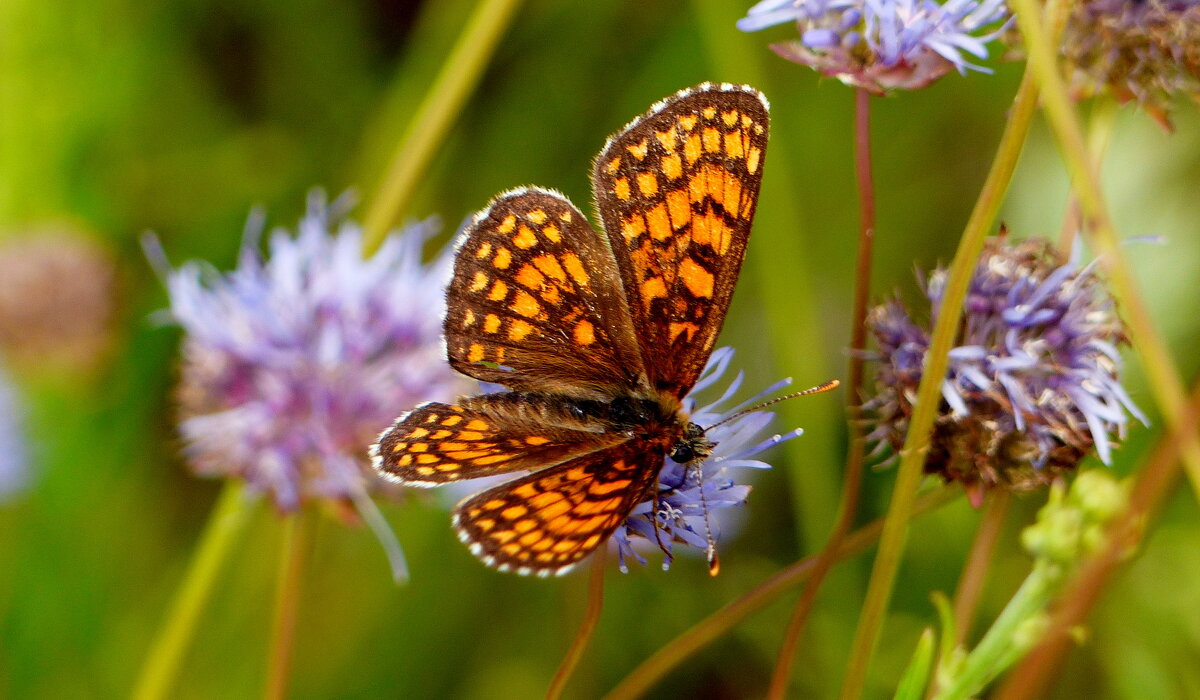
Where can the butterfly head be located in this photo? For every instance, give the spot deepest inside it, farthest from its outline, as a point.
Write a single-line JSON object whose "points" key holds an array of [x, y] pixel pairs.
{"points": [[692, 446]]}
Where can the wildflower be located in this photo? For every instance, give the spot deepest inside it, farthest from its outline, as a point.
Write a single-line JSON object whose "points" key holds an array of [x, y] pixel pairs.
{"points": [[1033, 385], [882, 45], [688, 495], [14, 457], [1143, 50], [57, 291], [290, 363]]}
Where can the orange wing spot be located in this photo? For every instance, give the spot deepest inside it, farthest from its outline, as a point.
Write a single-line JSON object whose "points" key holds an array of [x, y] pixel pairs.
{"points": [[585, 333], [465, 454], [485, 524], [712, 139], [594, 507], [575, 474], [507, 226], [468, 318], [698, 184], [529, 538], [687, 121], [537, 216], [566, 215], [730, 118], [484, 251], [536, 440], [503, 259], [405, 460], [493, 504], [564, 546], [659, 223], [698, 280], [518, 330], [448, 467], [511, 549], [748, 207], [677, 328], [499, 291], [651, 289], [525, 238], [551, 267], [427, 458], [552, 233], [746, 121], [733, 194], [553, 510], [611, 166], [449, 447], [502, 536], [451, 421], [575, 269], [621, 188], [752, 159], [639, 150], [491, 323], [479, 282], [633, 227], [668, 139], [551, 294], [525, 491], [426, 471], [758, 129], [441, 435], [733, 144], [648, 184], [500, 355], [591, 541], [477, 424], [491, 459], [715, 178], [417, 433], [691, 148], [672, 166], [524, 525], [525, 305], [547, 498], [471, 435], [610, 487], [679, 207], [529, 276], [514, 512], [418, 447], [542, 546], [710, 112], [475, 353]]}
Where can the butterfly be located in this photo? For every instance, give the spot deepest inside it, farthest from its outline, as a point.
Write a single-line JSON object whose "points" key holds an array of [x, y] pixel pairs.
{"points": [[597, 338]]}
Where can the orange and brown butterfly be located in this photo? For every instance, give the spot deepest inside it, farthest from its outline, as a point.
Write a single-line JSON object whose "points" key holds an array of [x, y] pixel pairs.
{"points": [[597, 337]]}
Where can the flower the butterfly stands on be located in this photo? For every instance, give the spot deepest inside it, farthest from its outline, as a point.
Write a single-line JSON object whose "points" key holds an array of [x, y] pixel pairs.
{"points": [[598, 338]]}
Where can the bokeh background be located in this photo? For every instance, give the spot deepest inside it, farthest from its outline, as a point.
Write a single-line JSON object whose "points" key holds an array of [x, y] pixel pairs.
{"points": [[118, 118]]}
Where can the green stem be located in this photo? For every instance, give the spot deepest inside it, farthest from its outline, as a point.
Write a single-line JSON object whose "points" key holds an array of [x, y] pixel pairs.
{"points": [[1161, 371], [974, 574], [432, 119], [590, 617], [986, 661], [670, 655], [225, 523], [1100, 128], [297, 544], [916, 443]]}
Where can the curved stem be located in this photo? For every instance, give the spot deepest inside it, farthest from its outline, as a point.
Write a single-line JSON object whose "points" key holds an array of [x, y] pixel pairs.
{"points": [[586, 628], [638, 682], [225, 523], [1161, 371], [916, 442], [854, 396], [1100, 128], [432, 119], [297, 544], [974, 574]]}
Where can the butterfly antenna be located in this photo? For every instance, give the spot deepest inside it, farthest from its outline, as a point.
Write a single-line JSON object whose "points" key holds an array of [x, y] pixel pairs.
{"points": [[714, 564], [657, 537], [819, 389]]}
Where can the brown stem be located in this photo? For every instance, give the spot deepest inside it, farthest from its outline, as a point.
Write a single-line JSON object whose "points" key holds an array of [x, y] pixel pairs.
{"points": [[590, 616], [974, 574], [297, 541]]}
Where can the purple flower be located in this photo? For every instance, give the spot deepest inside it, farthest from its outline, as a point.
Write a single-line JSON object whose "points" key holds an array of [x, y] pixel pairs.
{"points": [[1033, 385], [291, 363], [681, 507], [14, 454], [883, 45]]}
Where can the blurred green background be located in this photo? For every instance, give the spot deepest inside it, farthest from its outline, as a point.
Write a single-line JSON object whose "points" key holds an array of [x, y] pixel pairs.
{"points": [[178, 117]]}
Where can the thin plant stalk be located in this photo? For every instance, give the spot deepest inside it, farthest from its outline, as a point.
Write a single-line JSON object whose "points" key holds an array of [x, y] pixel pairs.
{"points": [[670, 655], [974, 574], [1154, 482], [297, 545], [225, 523], [916, 442], [437, 112], [1100, 127], [590, 617], [1161, 372], [852, 481]]}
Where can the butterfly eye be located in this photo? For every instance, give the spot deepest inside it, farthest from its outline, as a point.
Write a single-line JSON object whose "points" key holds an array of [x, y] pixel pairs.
{"points": [[683, 453]]}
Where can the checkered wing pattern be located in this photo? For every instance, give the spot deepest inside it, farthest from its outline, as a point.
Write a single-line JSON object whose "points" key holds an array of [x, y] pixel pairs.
{"points": [[547, 522], [480, 436], [535, 302], [676, 190]]}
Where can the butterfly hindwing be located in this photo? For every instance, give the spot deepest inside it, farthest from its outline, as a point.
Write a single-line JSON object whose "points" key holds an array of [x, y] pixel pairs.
{"points": [[547, 522], [676, 191], [536, 303]]}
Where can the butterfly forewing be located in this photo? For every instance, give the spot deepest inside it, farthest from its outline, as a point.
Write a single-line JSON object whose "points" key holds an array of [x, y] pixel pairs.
{"points": [[547, 522], [536, 303], [676, 191]]}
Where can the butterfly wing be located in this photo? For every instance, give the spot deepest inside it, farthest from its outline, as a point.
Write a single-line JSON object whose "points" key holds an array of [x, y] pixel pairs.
{"points": [[480, 436], [536, 301], [676, 190], [547, 522]]}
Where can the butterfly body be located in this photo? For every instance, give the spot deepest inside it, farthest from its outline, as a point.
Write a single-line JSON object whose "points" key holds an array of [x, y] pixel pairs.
{"points": [[598, 337]]}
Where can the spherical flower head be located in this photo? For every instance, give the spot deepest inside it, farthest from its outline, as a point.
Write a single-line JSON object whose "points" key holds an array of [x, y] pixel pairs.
{"points": [[1033, 385], [694, 499], [1136, 50], [883, 45], [291, 362], [14, 453]]}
